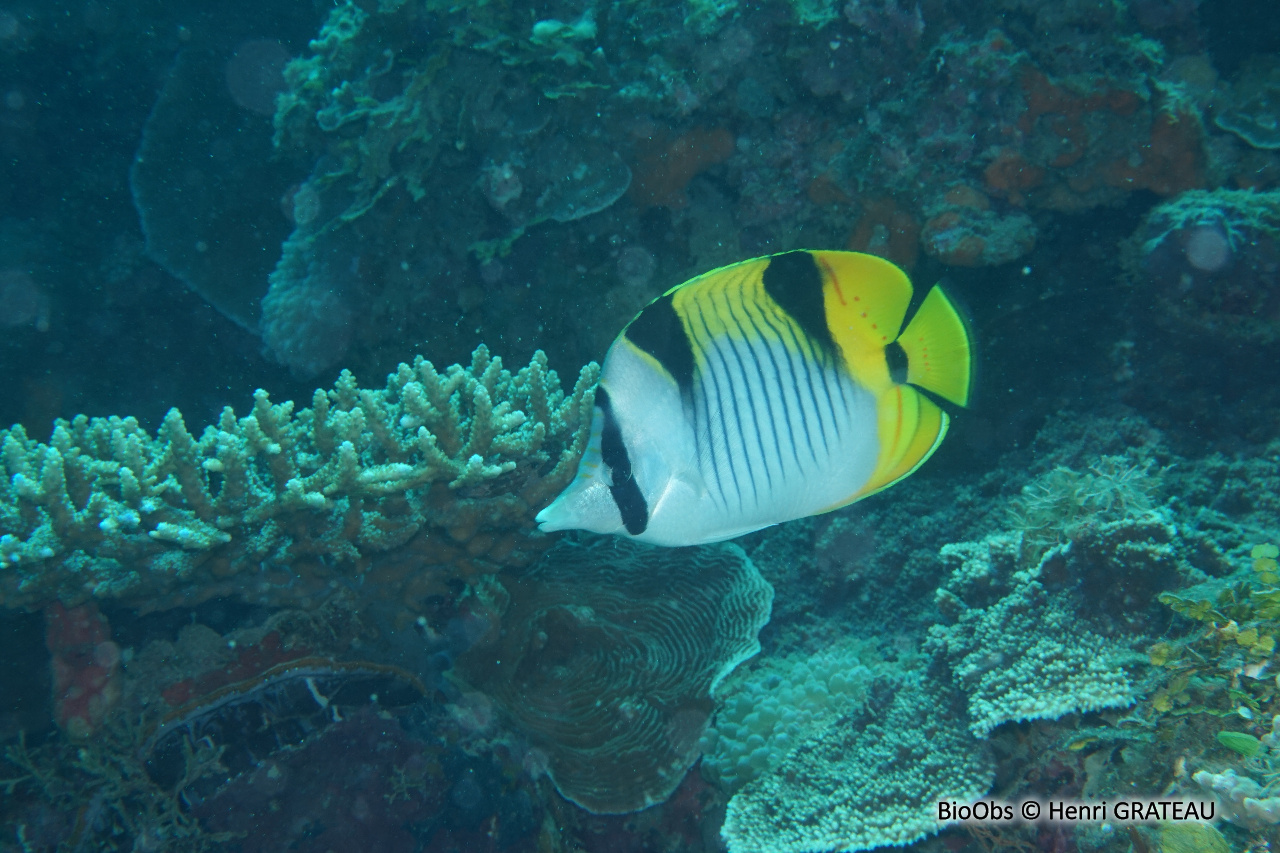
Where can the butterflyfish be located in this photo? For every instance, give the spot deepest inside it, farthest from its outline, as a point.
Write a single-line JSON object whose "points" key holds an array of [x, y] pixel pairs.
{"points": [[765, 391]]}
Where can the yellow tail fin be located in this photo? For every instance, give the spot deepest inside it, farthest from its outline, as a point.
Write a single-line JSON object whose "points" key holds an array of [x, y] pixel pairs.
{"points": [[939, 354], [940, 361]]}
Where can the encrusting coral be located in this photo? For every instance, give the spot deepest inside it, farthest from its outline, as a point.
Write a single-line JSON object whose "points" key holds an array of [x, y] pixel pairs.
{"points": [[449, 462], [1047, 620], [1018, 645], [866, 781], [780, 704]]}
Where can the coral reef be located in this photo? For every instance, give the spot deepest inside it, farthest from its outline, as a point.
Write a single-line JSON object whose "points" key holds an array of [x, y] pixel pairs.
{"points": [[869, 780], [308, 311], [389, 120], [280, 732], [885, 228], [778, 705], [86, 667], [278, 708], [1047, 621], [522, 124], [1072, 128], [329, 806], [1059, 503], [98, 792], [1015, 649], [1246, 802], [1204, 265], [962, 230], [1220, 666], [605, 656], [1103, 622], [1253, 110], [664, 169], [293, 499]]}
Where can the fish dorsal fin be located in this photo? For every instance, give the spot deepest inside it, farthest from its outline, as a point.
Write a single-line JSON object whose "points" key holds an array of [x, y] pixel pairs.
{"points": [[865, 301]]}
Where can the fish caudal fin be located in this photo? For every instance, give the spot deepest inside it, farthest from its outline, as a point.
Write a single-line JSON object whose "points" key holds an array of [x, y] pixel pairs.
{"points": [[939, 356], [940, 361]]}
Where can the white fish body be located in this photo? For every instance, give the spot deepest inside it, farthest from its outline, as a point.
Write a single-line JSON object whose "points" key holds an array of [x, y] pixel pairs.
{"points": [[732, 403]]}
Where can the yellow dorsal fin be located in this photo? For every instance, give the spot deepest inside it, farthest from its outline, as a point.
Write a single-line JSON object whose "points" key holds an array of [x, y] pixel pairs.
{"points": [[939, 356], [866, 300]]}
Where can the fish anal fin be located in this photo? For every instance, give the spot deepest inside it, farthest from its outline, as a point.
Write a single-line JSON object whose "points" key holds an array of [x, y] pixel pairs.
{"points": [[911, 428]]}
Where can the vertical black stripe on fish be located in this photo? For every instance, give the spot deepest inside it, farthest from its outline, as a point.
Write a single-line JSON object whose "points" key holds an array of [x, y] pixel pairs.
{"points": [[624, 488], [810, 360], [843, 385], [658, 331], [701, 416], [706, 346], [702, 432], [753, 350], [738, 422], [829, 363], [794, 281], [737, 344], [704, 387], [735, 444], [760, 322], [832, 376], [896, 359], [795, 389]]}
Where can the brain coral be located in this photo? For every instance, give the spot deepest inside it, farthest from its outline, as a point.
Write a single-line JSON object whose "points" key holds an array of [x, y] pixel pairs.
{"points": [[857, 784], [608, 655]]}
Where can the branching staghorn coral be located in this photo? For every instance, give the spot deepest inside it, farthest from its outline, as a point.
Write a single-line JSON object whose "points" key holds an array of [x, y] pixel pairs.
{"points": [[279, 505]]}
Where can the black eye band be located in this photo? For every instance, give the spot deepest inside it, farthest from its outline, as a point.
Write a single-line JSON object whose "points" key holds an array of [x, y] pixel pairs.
{"points": [[625, 490]]}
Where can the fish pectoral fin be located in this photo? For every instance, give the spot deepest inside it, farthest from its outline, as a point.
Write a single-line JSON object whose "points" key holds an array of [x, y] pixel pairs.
{"points": [[686, 487], [911, 426], [693, 481]]}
